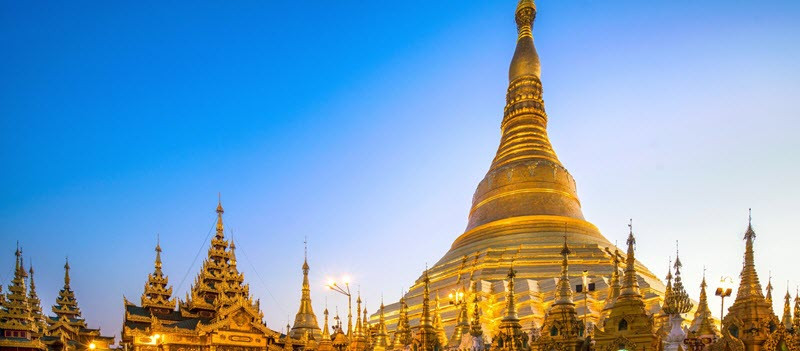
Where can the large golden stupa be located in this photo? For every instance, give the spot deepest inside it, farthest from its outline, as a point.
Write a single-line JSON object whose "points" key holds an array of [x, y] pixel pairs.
{"points": [[521, 212]]}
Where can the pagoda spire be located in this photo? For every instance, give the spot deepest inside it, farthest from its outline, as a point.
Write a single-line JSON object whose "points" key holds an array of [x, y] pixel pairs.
{"points": [[786, 319], [668, 289], [526, 177], [157, 295], [220, 226], [510, 336], [382, 335], [563, 294], [511, 305], [769, 290], [614, 285], [438, 326], [677, 301], [402, 333], [703, 322], [326, 334], [305, 322], [796, 321], [630, 284], [475, 324], [66, 305], [428, 338], [367, 330], [218, 283], [749, 287], [36, 306], [358, 331], [750, 309]]}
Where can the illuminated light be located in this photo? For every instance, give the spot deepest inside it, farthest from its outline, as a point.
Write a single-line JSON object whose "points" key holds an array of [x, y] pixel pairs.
{"points": [[92, 346], [346, 279]]}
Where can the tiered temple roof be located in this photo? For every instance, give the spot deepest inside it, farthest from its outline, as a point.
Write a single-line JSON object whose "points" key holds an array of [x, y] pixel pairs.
{"points": [[157, 295], [67, 329]]}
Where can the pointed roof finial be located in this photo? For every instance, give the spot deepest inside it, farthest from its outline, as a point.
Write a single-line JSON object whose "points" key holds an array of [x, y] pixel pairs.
{"points": [[66, 271], [750, 234], [305, 253], [158, 253]]}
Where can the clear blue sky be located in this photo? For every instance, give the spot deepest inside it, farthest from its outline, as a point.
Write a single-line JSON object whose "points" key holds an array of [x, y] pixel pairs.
{"points": [[367, 126]]}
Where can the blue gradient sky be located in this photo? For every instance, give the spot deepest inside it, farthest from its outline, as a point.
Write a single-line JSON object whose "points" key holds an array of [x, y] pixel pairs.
{"points": [[366, 127]]}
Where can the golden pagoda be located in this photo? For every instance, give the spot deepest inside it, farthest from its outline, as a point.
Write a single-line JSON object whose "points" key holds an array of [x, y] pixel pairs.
{"points": [[524, 203], [218, 314], [18, 329], [305, 321], [629, 326], [561, 329]]}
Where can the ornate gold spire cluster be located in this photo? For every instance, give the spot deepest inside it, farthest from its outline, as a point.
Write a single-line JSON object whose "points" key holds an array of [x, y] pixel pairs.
{"points": [[219, 282], [16, 319], [677, 301], [23, 325]]}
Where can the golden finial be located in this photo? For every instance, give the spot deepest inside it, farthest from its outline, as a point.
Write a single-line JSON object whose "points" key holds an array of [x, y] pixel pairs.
{"points": [[524, 16], [66, 271], [750, 234], [525, 61]]}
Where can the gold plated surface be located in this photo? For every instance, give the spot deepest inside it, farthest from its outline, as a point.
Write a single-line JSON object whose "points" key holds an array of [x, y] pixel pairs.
{"points": [[524, 207]]}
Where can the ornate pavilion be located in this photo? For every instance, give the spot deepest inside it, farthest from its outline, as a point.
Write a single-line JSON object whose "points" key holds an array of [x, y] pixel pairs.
{"points": [[516, 273]]}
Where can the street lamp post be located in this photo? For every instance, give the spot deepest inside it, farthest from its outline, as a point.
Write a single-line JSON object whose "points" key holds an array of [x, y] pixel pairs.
{"points": [[724, 290], [332, 285]]}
